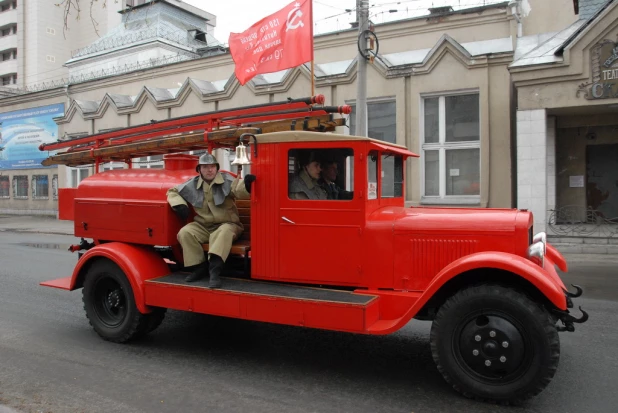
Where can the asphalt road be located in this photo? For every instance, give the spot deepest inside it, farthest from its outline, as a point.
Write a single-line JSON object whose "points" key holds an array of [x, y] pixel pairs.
{"points": [[52, 361]]}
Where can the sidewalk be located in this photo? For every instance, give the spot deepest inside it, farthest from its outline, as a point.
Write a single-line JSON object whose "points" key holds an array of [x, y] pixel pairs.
{"points": [[35, 224]]}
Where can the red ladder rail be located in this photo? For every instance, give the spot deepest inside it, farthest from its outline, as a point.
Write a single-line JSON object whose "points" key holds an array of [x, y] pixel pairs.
{"points": [[205, 121]]}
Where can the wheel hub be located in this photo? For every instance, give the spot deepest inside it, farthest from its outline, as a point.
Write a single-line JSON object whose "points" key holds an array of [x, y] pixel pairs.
{"points": [[492, 347], [109, 302], [113, 299]]}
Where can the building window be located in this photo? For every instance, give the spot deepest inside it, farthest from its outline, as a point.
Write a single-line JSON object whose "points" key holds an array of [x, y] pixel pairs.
{"points": [[149, 162], [7, 80], [133, 3], [76, 135], [20, 187], [55, 187], [381, 120], [451, 148], [76, 175], [109, 166], [40, 187], [6, 56], [5, 187], [6, 32]]}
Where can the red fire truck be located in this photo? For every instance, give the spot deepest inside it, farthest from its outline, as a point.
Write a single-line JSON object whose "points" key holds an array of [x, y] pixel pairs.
{"points": [[363, 263]]}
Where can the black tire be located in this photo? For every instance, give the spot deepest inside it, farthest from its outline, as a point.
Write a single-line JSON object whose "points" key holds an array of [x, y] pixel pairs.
{"points": [[468, 339], [110, 304]]}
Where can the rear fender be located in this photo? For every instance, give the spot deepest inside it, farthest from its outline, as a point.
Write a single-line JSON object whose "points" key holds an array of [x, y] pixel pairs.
{"points": [[543, 279], [137, 262]]}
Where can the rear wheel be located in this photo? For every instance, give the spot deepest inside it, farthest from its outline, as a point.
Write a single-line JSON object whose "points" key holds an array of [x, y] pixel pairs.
{"points": [[494, 343], [110, 304]]}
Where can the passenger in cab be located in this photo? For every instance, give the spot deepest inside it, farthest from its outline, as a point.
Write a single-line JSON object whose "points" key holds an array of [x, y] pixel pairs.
{"points": [[328, 180], [212, 195], [305, 185]]}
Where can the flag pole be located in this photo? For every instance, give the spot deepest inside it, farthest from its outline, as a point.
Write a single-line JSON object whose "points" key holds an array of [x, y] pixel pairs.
{"points": [[312, 57]]}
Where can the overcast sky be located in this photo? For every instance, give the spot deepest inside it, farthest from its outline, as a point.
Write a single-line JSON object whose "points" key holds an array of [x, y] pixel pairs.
{"points": [[328, 15]]}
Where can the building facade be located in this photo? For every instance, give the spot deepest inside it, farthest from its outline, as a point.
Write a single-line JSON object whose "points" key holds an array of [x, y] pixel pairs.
{"points": [[451, 86], [566, 139], [35, 44], [151, 34]]}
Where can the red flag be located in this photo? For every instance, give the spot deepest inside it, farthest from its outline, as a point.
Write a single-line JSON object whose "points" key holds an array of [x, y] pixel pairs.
{"points": [[280, 41]]}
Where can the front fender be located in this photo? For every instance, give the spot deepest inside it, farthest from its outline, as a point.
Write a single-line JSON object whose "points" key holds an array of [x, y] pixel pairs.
{"points": [[546, 280], [554, 255], [137, 262]]}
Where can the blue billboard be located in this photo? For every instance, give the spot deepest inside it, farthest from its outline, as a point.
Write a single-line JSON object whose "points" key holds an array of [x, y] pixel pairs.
{"points": [[21, 133]]}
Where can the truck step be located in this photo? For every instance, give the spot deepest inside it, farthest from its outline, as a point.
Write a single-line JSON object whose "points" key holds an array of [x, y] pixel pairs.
{"points": [[266, 301]]}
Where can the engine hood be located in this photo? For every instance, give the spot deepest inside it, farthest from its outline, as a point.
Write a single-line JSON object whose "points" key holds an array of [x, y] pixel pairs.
{"points": [[451, 221]]}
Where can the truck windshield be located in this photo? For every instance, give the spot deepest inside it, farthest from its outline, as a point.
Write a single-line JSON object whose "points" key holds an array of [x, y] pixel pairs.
{"points": [[391, 175]]}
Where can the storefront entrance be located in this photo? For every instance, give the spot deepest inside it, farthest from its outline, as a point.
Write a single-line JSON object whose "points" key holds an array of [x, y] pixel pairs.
{"points": [[602, 181]]}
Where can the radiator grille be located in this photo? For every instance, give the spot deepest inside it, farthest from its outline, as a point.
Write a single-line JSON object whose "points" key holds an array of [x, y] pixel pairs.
{"points": [[430, 256]]}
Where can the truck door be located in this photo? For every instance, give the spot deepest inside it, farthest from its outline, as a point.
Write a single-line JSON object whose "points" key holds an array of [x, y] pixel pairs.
{"points": [[320, 220]]}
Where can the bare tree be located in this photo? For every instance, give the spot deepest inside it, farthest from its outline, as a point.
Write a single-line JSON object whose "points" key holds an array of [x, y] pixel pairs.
{"points": [[74, 7]]}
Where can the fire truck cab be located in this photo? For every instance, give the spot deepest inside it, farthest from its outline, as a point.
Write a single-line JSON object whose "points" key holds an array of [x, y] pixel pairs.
{"points": [[357, 261]]}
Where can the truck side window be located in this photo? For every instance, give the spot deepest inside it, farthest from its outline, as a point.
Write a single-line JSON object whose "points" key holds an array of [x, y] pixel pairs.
{"points": [[372, 175], [392, 176], [321, 174]]}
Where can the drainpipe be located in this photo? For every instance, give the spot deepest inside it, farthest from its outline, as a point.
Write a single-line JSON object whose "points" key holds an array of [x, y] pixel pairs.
{"points": [[514, 6]]}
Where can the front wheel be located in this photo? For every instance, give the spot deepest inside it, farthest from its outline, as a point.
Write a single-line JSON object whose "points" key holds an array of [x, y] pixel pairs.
{"points": [[494, 343], [110, 304]]}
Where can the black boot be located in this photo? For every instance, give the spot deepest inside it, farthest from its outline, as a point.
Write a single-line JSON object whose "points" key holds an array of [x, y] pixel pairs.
{"points": [[216, 265], [199, 271]]}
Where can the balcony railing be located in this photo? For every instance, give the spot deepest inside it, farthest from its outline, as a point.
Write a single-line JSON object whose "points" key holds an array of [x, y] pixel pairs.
{"points": [[8, 17], [8, 66], [8, 42], [579, 221]]}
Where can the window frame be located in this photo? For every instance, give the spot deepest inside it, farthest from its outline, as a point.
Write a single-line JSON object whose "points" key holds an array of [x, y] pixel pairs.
{"points": [[147, 162], [34, 190], [442, 146], [55, 187], [14, 186], [78, 175], [397, 185], [350, 162], [8, 180], [376, 100]]}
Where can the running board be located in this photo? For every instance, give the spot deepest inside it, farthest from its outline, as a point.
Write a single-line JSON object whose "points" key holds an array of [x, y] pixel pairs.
{"points": [[61, 283], [266, 301]]}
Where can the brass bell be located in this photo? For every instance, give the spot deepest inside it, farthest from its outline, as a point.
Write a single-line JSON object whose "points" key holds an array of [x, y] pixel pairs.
{"points": [[241, 156]]}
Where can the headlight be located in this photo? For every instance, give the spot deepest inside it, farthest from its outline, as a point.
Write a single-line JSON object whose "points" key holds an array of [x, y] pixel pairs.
{"points": [[541, 237], [536, 251]]}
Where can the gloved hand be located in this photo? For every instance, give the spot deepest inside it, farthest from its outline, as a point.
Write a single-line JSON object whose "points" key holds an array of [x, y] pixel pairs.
{"points": [[248, 179], [182, 211]]}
